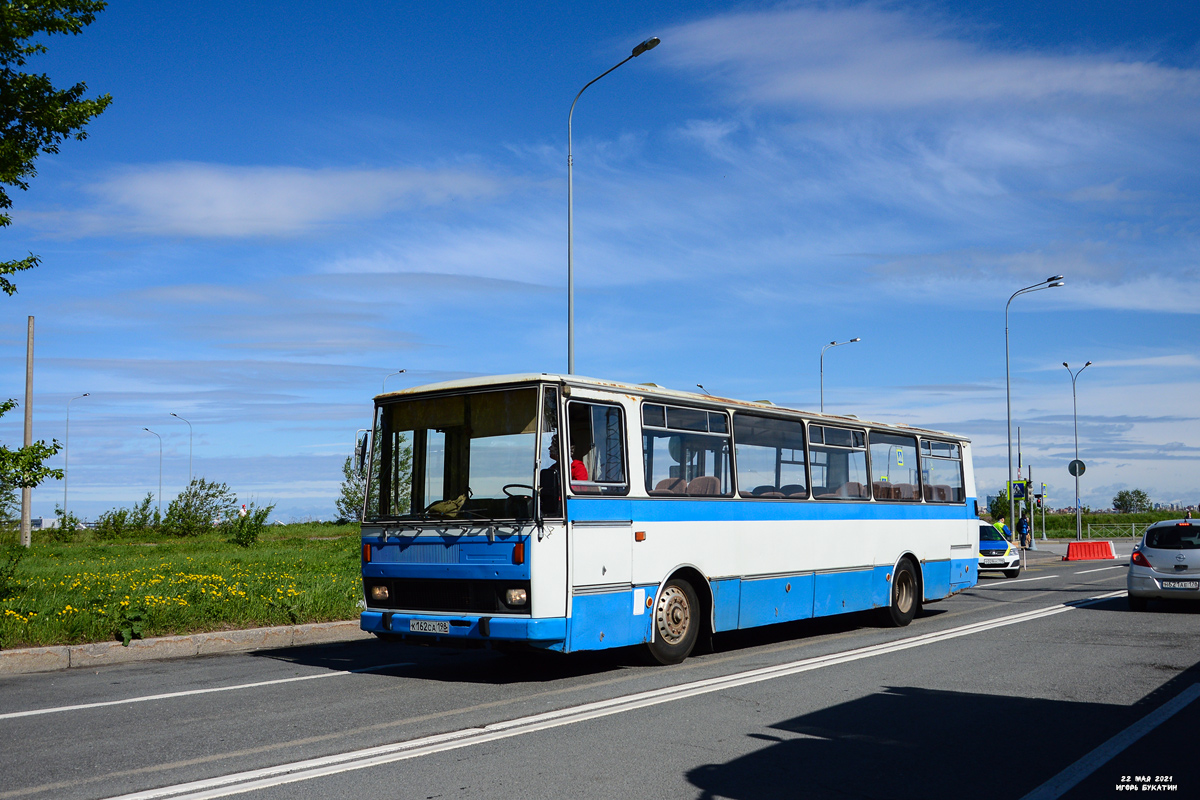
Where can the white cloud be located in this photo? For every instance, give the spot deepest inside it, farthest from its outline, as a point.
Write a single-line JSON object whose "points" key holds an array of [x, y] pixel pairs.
{"points": [[864, 56], [214, 200]]}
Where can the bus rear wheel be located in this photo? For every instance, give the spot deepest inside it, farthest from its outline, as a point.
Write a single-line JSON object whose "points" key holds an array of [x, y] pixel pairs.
{"points": [[676, 622], [905, 597]]}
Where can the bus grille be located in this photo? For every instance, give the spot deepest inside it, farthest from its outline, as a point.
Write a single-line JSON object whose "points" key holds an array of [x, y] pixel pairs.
{"points": [[461, 596]]}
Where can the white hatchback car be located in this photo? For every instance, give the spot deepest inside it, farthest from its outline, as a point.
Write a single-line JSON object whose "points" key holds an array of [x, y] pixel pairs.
{"points": [[1165, 565]]}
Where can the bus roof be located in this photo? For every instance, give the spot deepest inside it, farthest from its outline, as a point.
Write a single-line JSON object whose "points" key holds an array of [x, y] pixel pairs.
{"points": [[647, 390]]}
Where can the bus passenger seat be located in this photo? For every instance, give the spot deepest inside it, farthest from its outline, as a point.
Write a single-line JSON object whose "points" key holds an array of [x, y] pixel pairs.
{"points": [[883, 490], [670, 486], [705, 485], [794, 490], [851, 489], [904, 491]]}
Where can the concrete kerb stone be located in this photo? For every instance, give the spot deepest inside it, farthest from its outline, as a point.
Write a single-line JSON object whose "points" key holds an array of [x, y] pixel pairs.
{"points": [[50, 659]]}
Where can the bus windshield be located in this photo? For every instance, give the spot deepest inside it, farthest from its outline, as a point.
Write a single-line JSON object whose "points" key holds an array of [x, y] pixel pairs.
{"points": [[468, 456]]}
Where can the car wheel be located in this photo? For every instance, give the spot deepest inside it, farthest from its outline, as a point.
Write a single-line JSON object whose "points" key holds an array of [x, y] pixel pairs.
{"points": [[905, 597], [1138, 603], [1012, 573], [676, 622]]}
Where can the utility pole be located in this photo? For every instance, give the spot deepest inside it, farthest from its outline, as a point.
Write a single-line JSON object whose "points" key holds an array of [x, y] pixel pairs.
{"points": [[27, 491]]}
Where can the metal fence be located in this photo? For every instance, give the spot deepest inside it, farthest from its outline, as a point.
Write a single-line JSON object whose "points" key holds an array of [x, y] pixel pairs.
{"points": [[1110, 531]]}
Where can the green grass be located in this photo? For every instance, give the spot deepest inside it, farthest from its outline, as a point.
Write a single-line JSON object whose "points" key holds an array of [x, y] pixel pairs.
{"points": [[89, 591]]}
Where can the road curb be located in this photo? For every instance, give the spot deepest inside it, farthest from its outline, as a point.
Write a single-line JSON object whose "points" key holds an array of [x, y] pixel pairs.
{"points": [[75, 656]]}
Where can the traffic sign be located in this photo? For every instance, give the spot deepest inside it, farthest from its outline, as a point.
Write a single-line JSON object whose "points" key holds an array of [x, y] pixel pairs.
{"points": [[1076, 468]]}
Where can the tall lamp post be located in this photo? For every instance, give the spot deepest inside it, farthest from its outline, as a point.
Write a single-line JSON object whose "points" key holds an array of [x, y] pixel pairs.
{"points": [[176, 416], [67, 450], [160, 454], [1075, 414], [823, 349], [390, 374], [649, 44], [1049, 283]]}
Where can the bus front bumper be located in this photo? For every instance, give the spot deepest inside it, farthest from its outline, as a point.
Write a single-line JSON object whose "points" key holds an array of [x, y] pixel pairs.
{"points": [[447, 628]]}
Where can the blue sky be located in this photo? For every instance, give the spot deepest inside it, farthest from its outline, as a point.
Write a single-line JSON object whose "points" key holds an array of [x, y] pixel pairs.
{"points": [[288, 201]]}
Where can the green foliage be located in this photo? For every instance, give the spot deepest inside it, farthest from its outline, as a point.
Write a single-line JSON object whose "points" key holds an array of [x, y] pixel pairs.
{"points": [[25, 467], [117, 523], [130, 624], [199, 507], [68, 523], [999, 506], [35, 116], [350, 504], [1131, 501], [9, 586], [244, 529]]}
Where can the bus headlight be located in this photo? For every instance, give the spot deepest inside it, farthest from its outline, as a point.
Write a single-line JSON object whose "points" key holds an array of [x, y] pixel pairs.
{"points": [[379, 592], [516, 597]]}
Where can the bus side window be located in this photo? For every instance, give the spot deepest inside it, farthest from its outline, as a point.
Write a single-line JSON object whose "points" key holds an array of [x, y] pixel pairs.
{"points": [[686, 451], [770, 457], [941, 471], [895, 474], [596, 438]]}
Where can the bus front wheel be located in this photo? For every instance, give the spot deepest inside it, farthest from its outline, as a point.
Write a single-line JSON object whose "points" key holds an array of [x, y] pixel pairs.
{"points": [[905, 597], [676, 622]]}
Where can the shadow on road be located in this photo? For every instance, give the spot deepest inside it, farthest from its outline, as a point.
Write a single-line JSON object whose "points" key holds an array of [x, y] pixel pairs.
{"points": [[526, 665], [921, 744]]}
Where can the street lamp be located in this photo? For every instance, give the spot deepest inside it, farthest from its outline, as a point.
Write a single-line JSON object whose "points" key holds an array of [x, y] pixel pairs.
{"points": [[176, 416], [823, 349], [67, 451], [1049, 283], [1075, 414], [390, 374], [147, 430], [649, 44]]}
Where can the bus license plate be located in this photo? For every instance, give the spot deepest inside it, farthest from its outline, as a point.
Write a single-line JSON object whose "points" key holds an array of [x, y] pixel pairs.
{"points": [[1193, 585], [428, 626]]}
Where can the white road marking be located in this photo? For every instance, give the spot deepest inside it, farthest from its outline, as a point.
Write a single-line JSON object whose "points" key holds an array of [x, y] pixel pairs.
{"points": [[1086, 571], [169, 695], [1066, 780], [241, 782], [1011, 581]]}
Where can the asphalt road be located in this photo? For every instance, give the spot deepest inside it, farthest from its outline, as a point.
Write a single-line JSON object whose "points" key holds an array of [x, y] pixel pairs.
{"points": [[1043, 686]]}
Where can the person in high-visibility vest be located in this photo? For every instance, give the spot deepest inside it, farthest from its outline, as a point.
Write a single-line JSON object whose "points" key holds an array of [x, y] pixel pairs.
{"points": [[1004, 531]]}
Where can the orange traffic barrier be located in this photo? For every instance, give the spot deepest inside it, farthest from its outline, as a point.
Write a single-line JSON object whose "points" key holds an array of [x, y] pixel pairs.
{"points": [[1089, 551]]}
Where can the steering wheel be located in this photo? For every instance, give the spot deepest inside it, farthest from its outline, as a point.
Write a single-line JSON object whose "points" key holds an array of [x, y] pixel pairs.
{"points": [[507, 493]]}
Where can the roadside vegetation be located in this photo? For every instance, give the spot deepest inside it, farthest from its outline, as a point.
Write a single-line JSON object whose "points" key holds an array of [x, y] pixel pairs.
{"points": [[146, 582]]}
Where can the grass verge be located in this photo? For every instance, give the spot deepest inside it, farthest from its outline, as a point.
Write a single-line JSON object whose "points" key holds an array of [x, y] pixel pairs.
{"points": [[90, 591]]}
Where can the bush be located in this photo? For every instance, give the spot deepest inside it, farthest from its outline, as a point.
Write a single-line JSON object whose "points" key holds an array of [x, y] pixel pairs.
{"points": [[119, 522], [199, 507], [68, 523], [244, 530]]}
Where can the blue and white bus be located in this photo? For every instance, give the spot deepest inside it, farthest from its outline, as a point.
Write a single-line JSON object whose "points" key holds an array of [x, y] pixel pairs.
{"points": [[569, 513]]}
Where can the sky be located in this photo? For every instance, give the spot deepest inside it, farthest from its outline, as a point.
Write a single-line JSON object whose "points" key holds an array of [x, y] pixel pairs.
{"points": [[287, 202]]}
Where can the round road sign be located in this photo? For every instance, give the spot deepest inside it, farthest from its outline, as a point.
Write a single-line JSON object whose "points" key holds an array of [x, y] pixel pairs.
{"points": [[1076, 468]]}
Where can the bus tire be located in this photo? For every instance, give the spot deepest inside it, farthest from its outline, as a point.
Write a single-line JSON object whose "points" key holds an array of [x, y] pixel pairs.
{"points": [[905, 596], [676, 622]]}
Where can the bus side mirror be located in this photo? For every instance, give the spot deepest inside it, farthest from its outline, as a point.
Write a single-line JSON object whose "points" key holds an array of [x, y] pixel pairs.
{"points": [[978, 509], [360, 455]]}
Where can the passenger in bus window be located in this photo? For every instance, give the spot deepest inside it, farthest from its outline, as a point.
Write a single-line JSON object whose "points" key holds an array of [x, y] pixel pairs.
{"points": [[578, 468]]}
